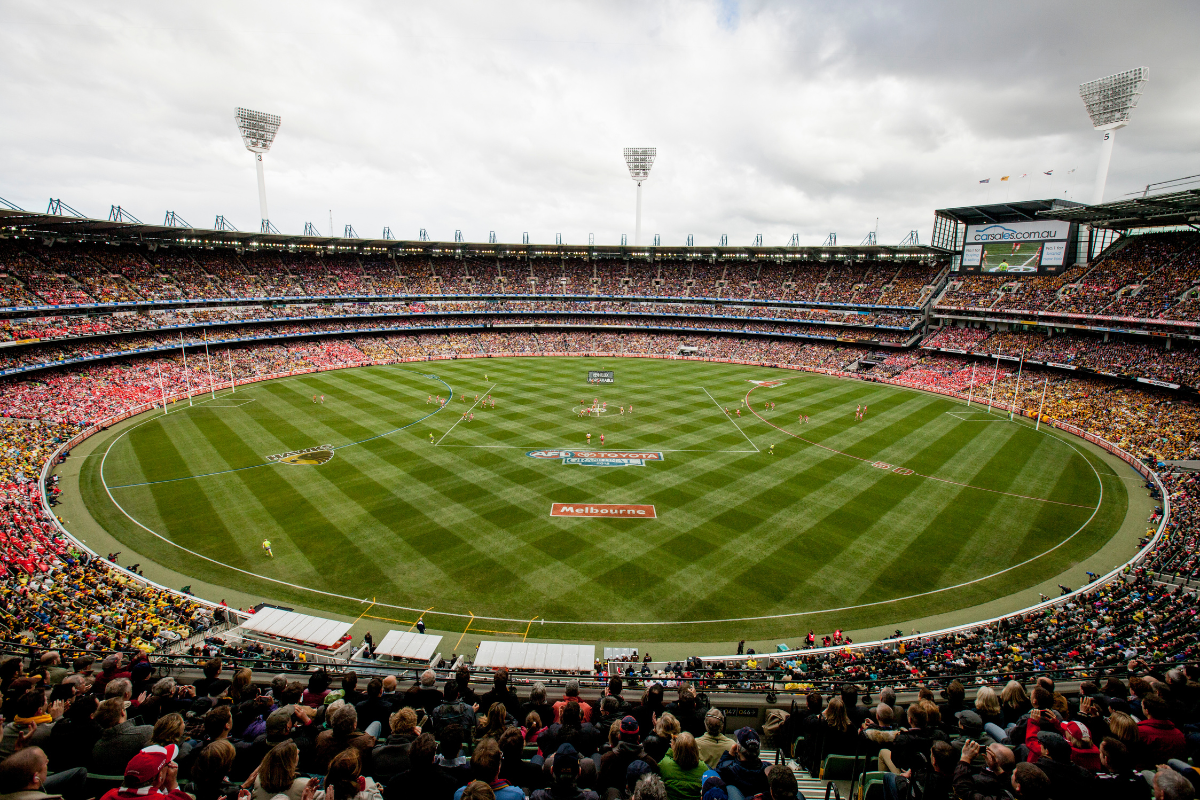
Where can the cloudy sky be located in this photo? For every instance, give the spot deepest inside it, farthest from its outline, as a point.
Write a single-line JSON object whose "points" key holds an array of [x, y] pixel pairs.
{"points": [[771, 118]]}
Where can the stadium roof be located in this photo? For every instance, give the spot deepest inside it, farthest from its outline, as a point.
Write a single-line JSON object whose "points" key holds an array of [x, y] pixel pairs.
{"points": [[49, 225], [1151, 211], [1016, 211]]}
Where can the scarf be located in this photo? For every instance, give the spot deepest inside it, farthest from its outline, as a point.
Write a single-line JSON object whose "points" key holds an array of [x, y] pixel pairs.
{"points": [[40, 719]]}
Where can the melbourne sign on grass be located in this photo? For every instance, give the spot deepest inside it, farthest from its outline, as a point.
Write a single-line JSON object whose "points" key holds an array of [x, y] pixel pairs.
{"points": [[602, 510]]}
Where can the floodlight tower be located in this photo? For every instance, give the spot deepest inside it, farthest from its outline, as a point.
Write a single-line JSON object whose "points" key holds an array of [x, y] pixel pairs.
{"points": [[639, 160], [258, 132], [1109, 101]]}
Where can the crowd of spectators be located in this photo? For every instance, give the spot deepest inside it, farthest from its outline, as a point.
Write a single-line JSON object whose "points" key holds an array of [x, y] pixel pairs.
{"points": [[1150, 276], [82, 273], [1174, 361]]}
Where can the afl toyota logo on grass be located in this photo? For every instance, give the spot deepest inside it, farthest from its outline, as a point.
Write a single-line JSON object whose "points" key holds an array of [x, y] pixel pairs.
{"points": [[593, 458], [310, 457]]}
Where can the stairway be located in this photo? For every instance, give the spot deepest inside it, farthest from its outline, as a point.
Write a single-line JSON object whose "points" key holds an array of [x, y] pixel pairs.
{"points": [[809, 788]]}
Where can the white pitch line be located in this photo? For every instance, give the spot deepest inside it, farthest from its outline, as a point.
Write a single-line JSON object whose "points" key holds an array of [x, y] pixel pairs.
{"points": [[731, 419], [469, 410]]}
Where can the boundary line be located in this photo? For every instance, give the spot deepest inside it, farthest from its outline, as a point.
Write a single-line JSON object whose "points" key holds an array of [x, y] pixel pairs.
{"points": [[731, 419], [629, 624], [932, 477], [265, 463]]}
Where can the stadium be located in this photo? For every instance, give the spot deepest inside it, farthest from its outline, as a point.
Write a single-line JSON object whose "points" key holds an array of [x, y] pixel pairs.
{"points": [[874, 518]]}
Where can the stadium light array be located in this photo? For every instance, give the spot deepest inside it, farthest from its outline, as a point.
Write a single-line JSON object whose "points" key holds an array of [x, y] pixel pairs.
{"points": [[258, 131], [1109, 101], [639, 160]]}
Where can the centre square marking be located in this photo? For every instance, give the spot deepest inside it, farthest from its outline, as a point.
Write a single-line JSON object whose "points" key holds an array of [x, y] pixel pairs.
{"points": [[611, 510]]}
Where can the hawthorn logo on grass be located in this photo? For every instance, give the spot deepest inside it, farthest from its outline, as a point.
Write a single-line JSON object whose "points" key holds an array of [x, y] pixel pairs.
{"points": [[614, 510], [309, 457], [767, 384], [595, 458]]}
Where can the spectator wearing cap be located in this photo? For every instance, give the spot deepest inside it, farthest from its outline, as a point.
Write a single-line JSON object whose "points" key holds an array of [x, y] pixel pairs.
{"points": [[564, 774], [714, 743], [712, 787], [636, 775], [1160, 739], [1066, 779], [423, 780], [500, 693], [150, 775], [1083, 752], [615, 763], [741, 768], [571, 695], [119, 741], [286, 723], [485, 766], [970, 728], [24, 776]]}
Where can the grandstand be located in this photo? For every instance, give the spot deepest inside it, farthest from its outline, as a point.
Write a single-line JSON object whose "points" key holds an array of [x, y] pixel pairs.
{"points": [[97, 316]]}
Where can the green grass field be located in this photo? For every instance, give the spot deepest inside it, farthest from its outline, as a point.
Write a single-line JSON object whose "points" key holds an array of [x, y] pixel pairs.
{"points": [[814, 535]]}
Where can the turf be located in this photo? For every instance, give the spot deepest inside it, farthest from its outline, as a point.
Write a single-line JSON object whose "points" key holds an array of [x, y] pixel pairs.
{"points": [[811, 532]]}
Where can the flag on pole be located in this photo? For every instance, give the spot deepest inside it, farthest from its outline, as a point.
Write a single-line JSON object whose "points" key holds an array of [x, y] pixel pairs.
{"points": [[1004, 178], [1070, 171], [986, 180], [1023, 174], [1048, 172]]}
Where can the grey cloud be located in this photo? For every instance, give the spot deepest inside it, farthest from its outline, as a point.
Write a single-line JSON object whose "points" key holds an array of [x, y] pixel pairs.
{"points": [[770, 117]]}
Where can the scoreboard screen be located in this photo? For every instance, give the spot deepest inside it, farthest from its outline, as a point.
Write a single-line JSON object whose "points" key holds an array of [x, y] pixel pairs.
{"points": [[1037, 247], [601, 377]]}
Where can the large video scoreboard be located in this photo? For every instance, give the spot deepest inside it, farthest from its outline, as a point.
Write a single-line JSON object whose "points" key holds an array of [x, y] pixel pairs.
{"points": [[1044, 247]]}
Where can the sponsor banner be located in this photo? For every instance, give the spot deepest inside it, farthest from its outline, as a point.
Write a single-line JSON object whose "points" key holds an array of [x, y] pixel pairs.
{"points": [[599, 376], [606, 462], [1060, 366], [1164, 384], [767, 384], [610, 510]]}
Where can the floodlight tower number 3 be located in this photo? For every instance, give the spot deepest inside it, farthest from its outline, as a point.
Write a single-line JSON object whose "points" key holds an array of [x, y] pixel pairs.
{"points": [[258, 133], [639, 160]]}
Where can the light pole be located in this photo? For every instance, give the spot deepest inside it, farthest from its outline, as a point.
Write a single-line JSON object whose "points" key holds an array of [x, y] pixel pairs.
{"points": [[1109, 101], [639, 161], [258, 132]]}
